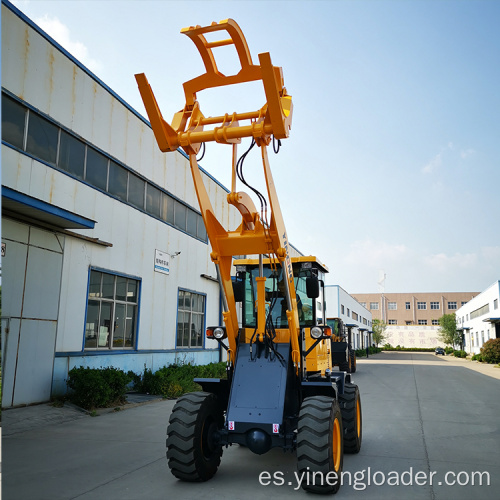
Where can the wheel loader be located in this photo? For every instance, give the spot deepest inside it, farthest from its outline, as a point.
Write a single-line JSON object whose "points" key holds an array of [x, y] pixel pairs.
{"points": [[343, 352], [280, 389]]}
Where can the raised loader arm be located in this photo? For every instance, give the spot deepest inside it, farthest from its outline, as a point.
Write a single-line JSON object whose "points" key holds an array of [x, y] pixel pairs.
{"points": [[190, 128]]}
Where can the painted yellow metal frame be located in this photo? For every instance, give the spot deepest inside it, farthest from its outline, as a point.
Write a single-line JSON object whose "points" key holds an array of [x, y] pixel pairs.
{"points": [[188, 130]]}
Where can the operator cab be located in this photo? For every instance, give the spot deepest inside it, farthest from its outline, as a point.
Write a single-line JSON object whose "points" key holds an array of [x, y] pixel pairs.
{"points": [[309, 276]]}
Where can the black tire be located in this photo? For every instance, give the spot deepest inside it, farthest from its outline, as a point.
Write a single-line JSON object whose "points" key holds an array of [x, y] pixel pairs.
{"points": [[192, 451], [320, 454], [352, 360], [352, 420]]}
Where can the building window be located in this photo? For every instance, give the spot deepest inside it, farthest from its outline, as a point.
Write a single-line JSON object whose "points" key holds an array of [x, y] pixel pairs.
{"points": [[71, 154], [374, 306], [435, 305], [495, 304], [479, 312], [96, 172], [422, 321], [50, 143], [392, 306], [409, 322], [355, 316], [118, 181], [112, 311], [342, 310], [348, 312], [435, 322], [407, 306], [422, 305], [463, 303], [136, 191], [42, 138], [363, 304], [452, 305], [392, 322], [190, 319], [13, 122]]}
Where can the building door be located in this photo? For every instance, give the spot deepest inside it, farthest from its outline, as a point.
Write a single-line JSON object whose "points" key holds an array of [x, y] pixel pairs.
{"points": [[32, 269], [497, 330]]}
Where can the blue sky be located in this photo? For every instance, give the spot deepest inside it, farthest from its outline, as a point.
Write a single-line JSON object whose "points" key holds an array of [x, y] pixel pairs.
{"points": [[393, 161]]}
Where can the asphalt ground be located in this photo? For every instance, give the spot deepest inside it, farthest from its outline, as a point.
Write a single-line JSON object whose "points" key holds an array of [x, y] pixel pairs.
{"points": [[427, 421]]}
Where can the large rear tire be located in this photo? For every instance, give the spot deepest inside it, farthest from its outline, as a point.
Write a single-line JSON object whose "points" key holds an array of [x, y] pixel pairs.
{"points": [[193, 452], [320, 454], [352, 421]]}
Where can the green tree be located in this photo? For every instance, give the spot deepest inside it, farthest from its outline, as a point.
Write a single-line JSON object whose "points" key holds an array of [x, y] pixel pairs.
{"points": [[447, 332], [378, 328]]}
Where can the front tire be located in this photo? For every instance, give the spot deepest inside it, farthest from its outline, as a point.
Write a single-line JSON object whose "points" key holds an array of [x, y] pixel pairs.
{"points": [[350, 406], [193, 452], [320, 454]]}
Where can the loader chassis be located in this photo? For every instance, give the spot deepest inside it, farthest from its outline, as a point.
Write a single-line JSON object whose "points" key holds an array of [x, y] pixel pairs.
{"points": [[280, 389]]}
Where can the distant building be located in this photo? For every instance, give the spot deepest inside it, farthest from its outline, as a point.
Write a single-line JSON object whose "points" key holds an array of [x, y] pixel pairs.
{"points": [[339, 304], [407, 309], [479, 319], [413, 318]]}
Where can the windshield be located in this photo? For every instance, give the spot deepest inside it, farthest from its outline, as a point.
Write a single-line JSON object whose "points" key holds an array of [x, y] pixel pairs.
{"points": [[276, 304]]}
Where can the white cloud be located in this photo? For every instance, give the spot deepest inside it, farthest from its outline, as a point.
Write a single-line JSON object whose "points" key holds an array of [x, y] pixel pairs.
{"points": [[375, 254], [444, 263], [61, 34], [465, 153], [433, 164], [437, 160]]}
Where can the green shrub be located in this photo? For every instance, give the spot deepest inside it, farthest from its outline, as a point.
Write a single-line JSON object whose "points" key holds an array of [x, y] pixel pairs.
{"points": [[97, 387], [174, 380], [490, 352], [411, 349], [477, 357], [459, 354], [449, 350]]}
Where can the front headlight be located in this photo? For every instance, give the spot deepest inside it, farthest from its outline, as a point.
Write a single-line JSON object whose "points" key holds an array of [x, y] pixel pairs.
{"points": [[219, 333], [316, 332]]}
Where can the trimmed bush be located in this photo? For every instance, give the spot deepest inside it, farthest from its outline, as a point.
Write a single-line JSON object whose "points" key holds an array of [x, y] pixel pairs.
{"points": [[449, 350], [97, 387], [388, 347], [490, 352], [174, 380], [459, 354], [477, 357]]}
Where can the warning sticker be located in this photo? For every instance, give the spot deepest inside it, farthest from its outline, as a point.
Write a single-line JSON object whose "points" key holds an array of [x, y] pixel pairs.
{"points": [[276, 428], [231, 425]]}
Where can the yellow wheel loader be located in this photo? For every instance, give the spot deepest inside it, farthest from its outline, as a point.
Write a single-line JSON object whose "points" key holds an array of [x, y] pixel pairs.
{"points": [[280, 389]]}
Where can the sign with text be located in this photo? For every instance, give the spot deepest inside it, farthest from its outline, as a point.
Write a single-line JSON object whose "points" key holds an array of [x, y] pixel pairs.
{"points": [[162, 262]]}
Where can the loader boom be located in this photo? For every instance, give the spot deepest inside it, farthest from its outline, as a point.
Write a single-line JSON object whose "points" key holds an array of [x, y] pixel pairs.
{"points": [[188, 131]]}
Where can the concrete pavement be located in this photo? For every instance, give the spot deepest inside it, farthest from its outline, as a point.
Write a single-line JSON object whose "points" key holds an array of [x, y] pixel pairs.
{"points": [[422, 414]]}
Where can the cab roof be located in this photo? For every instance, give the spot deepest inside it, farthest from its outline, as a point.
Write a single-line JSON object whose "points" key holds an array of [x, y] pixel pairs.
{"points": [[295, 260]]}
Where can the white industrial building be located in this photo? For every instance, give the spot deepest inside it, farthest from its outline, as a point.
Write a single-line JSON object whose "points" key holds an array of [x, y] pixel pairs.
{"points": [[479, 319], [106, 260], [105, 256], [339, 304]]}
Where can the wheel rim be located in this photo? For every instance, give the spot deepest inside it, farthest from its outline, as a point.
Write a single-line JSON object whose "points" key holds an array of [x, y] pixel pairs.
{"points": [[336, 442], [358, 418]]}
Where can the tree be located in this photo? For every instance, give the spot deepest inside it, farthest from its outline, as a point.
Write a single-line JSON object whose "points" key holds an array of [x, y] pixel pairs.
{"points": [[447, 332], [378, 328]]}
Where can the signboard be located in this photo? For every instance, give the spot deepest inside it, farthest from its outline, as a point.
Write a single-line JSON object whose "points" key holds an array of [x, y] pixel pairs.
{"points": [[162, 262], [4, 249]]}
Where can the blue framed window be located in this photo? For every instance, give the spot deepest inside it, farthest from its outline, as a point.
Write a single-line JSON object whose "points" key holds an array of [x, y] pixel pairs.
{"points": [[190, 319], [112, 311]]}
